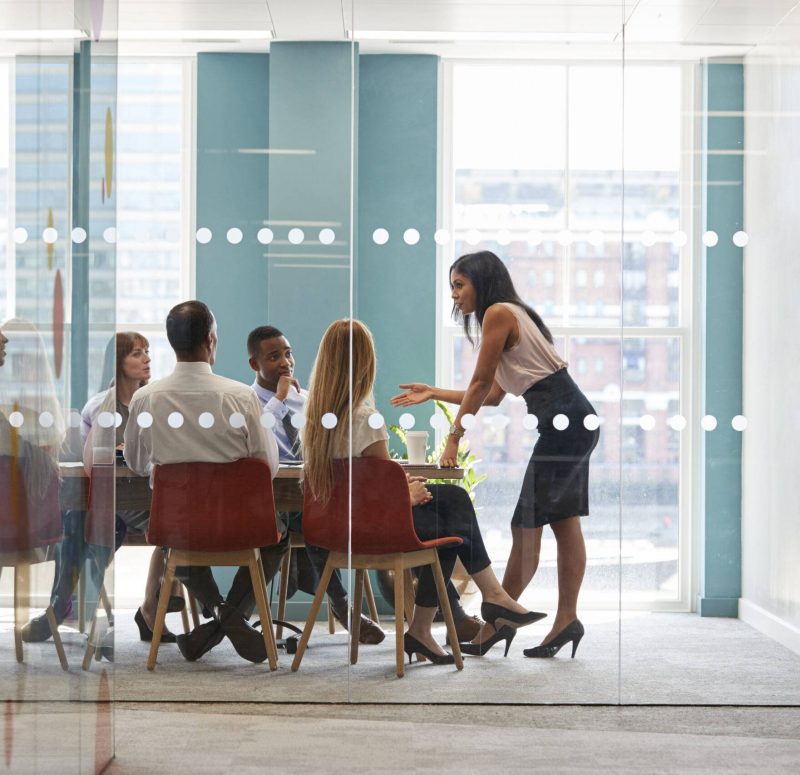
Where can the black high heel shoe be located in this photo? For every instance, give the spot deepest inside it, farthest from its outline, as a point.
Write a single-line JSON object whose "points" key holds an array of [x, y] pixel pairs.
{"points": [[146, 634], [573, 633], [412, 646], [499, 617], [505, 633]]}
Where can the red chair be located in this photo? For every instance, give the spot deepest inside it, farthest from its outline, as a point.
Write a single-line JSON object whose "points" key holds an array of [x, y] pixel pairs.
{"points": [[214, 514], [29, 523], [380, 535]]}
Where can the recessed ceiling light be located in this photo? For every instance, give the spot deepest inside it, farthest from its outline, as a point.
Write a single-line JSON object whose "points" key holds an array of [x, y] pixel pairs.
{"points": [[446, 36], [42, 35]]}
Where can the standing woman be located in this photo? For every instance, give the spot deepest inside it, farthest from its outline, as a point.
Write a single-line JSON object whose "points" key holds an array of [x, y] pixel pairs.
{"points": [[517, 356]]}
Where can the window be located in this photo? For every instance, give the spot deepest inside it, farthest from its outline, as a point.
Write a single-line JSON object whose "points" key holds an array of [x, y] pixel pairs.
{"points": [[543, 156]]}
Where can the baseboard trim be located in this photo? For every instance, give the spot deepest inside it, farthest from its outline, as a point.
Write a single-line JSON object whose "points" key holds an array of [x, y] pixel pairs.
{"points": [[770, 625]]}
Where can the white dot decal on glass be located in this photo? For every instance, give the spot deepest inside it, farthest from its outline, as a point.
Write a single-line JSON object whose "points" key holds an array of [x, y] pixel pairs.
{"points": [[46, 420], [329, 420], [298, 420], [708, 423], [535, 238], [710, 238], [175, 420], [441, 237], [327, 236], [530, 422], [503, 237], [380, 236], [677, 422], [375, 420], [74, 419], [144, 420], [596, 238], [117, 420], [591, 422], [648, 239], [20, 235], [234, 236], [439, 422], [16, 419], [296, 236], [647, 422], [500, 421], [407, 421], [740, 239], [472, 237], [206, 420], [679, 239], [268, 420], [564, 237], [739, 423], [561, 422], [237, 420], [50, 235], [110, 235], [78, 235], [204, 235], [411, 236], [265, 236], [105, 419], [468, 421]]}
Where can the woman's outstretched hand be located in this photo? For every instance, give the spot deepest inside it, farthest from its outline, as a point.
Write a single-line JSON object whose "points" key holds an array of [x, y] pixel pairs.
{"points": [[416, 393], [449, 457]]}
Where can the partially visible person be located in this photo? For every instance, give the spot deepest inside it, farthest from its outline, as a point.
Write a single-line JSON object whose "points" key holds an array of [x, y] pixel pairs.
{"points": [[438, 510], [131, 371], [517, 356], [191, 390], [280, 394]]}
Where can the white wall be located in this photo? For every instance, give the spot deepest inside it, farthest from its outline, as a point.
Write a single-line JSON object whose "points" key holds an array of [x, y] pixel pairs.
{"points": [[771, 464]]}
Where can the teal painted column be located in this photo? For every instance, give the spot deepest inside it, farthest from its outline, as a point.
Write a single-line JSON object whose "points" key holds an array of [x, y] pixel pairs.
{"points": [[723, 190], [397, 185], [232, 171], [310, 188]]}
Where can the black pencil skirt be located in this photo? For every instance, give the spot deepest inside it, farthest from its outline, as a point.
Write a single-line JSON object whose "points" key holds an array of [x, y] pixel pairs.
{"points": [[556, 482]]}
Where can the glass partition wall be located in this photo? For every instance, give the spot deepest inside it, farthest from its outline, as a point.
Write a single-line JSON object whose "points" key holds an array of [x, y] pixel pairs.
{"points": [[57, 317]]}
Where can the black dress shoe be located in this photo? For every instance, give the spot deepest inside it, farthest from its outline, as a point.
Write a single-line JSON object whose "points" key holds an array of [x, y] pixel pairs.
{"points": [[200, 640], [37, 630], [146, 634], [248, 641]]}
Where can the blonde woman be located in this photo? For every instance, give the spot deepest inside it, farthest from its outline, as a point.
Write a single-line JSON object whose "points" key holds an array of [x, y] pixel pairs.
{"points": [[437, 509]]}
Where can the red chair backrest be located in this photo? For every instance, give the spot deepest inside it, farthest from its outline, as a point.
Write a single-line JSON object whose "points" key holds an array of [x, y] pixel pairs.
{"points": [[99, 527], [27, 521], [213, 507], [382, 519]]}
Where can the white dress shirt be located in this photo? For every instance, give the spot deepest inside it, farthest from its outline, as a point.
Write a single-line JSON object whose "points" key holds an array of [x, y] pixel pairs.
{"points": [[190, 391], [295, 402]]}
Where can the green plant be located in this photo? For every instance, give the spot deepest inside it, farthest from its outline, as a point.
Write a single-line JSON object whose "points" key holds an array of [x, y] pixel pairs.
{"points": [[466, 459]]}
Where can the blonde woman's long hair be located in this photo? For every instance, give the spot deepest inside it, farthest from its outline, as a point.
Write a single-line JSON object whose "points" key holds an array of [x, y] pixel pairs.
{"points": [[329, 391]]}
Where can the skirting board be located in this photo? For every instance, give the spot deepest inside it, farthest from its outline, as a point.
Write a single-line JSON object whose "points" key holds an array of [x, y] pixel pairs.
{"points": [[772, 626]]}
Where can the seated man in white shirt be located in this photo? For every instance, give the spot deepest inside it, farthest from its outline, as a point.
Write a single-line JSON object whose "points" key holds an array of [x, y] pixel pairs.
{"points": [[191, 390], [280, 394]]}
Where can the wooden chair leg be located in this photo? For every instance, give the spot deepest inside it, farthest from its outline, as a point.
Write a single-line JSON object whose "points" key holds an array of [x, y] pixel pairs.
{"points": [[283, 590], [92, 649], [400, 654], [192, 603], [259, 582], [161, 613], [408, 597], [82, 599], [331, 620], [312, 615], [19, 586], [51, 620], [373, 609], [107, 605], [355, 629], [185, 620], [444, 604]]}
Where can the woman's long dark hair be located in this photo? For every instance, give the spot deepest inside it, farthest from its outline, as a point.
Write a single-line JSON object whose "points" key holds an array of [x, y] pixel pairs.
{"points": [[493, 285]]}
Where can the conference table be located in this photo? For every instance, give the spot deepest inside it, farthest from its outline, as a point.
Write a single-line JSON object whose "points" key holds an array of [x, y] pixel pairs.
{"points": [[133, 491]]}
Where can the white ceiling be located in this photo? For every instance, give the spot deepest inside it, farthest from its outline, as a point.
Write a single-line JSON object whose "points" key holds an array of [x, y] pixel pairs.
{"points": [[452, 28]]}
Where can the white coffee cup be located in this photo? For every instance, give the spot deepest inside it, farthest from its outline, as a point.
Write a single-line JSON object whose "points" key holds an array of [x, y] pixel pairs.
{"points": [[417, 445]]}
